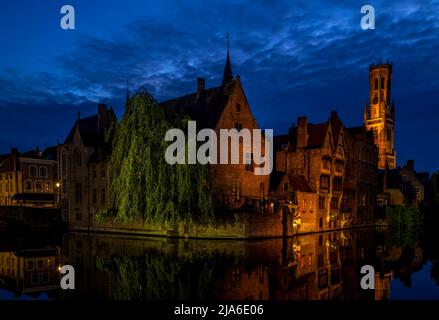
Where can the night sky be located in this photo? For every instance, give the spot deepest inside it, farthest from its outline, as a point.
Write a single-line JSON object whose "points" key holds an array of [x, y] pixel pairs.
{"points": [[295, 58]]}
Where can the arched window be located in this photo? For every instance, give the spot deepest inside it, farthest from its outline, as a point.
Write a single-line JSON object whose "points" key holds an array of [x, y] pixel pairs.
{"points": [[376, 83], [382, 83]]}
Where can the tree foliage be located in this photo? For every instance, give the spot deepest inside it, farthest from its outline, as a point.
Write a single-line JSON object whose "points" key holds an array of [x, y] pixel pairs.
{"points": [[159, 275], [403, 217], [143, 184]]}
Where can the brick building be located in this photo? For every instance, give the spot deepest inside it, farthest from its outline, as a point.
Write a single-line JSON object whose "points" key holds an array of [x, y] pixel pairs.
{"points": [[29, 179], [225, 107], [296, 198], [317, 152], [403, 185], [360, 187], [83, 167]]}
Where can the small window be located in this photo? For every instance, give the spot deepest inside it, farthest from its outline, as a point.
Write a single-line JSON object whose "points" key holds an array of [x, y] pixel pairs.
{"points": [[324, 182], [48, 187], [43, 172], [40, 264], [376, 83], [32, 171], [28, 186], [38, 186], [320, 223], [50, 263], [286, 186], [382, 83], [326, 164], [238, 108]]}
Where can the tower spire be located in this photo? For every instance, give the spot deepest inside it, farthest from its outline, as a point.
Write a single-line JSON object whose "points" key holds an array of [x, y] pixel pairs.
{"points": [[228, 74]]}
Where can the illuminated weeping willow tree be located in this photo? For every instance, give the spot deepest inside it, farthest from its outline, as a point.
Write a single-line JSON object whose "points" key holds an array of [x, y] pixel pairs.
{"points": [[143, 184]]}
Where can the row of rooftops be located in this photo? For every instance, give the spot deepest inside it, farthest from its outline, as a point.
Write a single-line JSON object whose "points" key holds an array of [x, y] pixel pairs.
{"points": [[315, 134], [10, 161]]}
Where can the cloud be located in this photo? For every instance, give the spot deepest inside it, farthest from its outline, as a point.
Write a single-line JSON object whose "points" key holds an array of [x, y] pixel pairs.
{"points": [[301, 58]]}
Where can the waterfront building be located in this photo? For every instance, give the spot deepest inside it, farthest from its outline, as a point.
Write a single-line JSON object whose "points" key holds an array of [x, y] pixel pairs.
{"points": [[29, 178]]}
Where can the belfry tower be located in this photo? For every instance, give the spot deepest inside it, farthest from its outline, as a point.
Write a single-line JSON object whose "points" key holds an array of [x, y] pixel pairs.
{"points": [[379, 114]]}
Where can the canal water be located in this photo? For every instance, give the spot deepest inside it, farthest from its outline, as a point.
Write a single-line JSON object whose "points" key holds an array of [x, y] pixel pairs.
{"points": [[310, 267]]}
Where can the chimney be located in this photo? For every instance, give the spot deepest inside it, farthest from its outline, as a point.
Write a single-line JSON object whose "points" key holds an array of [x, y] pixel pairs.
{"points": [[200, 85], [411, 164], [14, 158], [334, 114], [302, 132]]}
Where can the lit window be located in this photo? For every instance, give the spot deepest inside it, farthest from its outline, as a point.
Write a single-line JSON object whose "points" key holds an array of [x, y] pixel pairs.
{"points": [[48, 187], [38, 186], [28, 186]]}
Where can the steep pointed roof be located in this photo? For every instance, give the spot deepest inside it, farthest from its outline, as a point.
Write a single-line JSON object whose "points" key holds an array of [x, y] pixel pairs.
{"points": [[337, 126], [205, 107], [317, 135], [228, 74]]}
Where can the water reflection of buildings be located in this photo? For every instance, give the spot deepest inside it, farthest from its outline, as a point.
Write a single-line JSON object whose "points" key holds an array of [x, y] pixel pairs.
{"points": [[30, 272], [318, 267]]}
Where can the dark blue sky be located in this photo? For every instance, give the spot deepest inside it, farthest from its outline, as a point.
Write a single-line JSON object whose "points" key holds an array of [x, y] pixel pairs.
{"points": [[294, 57]]}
